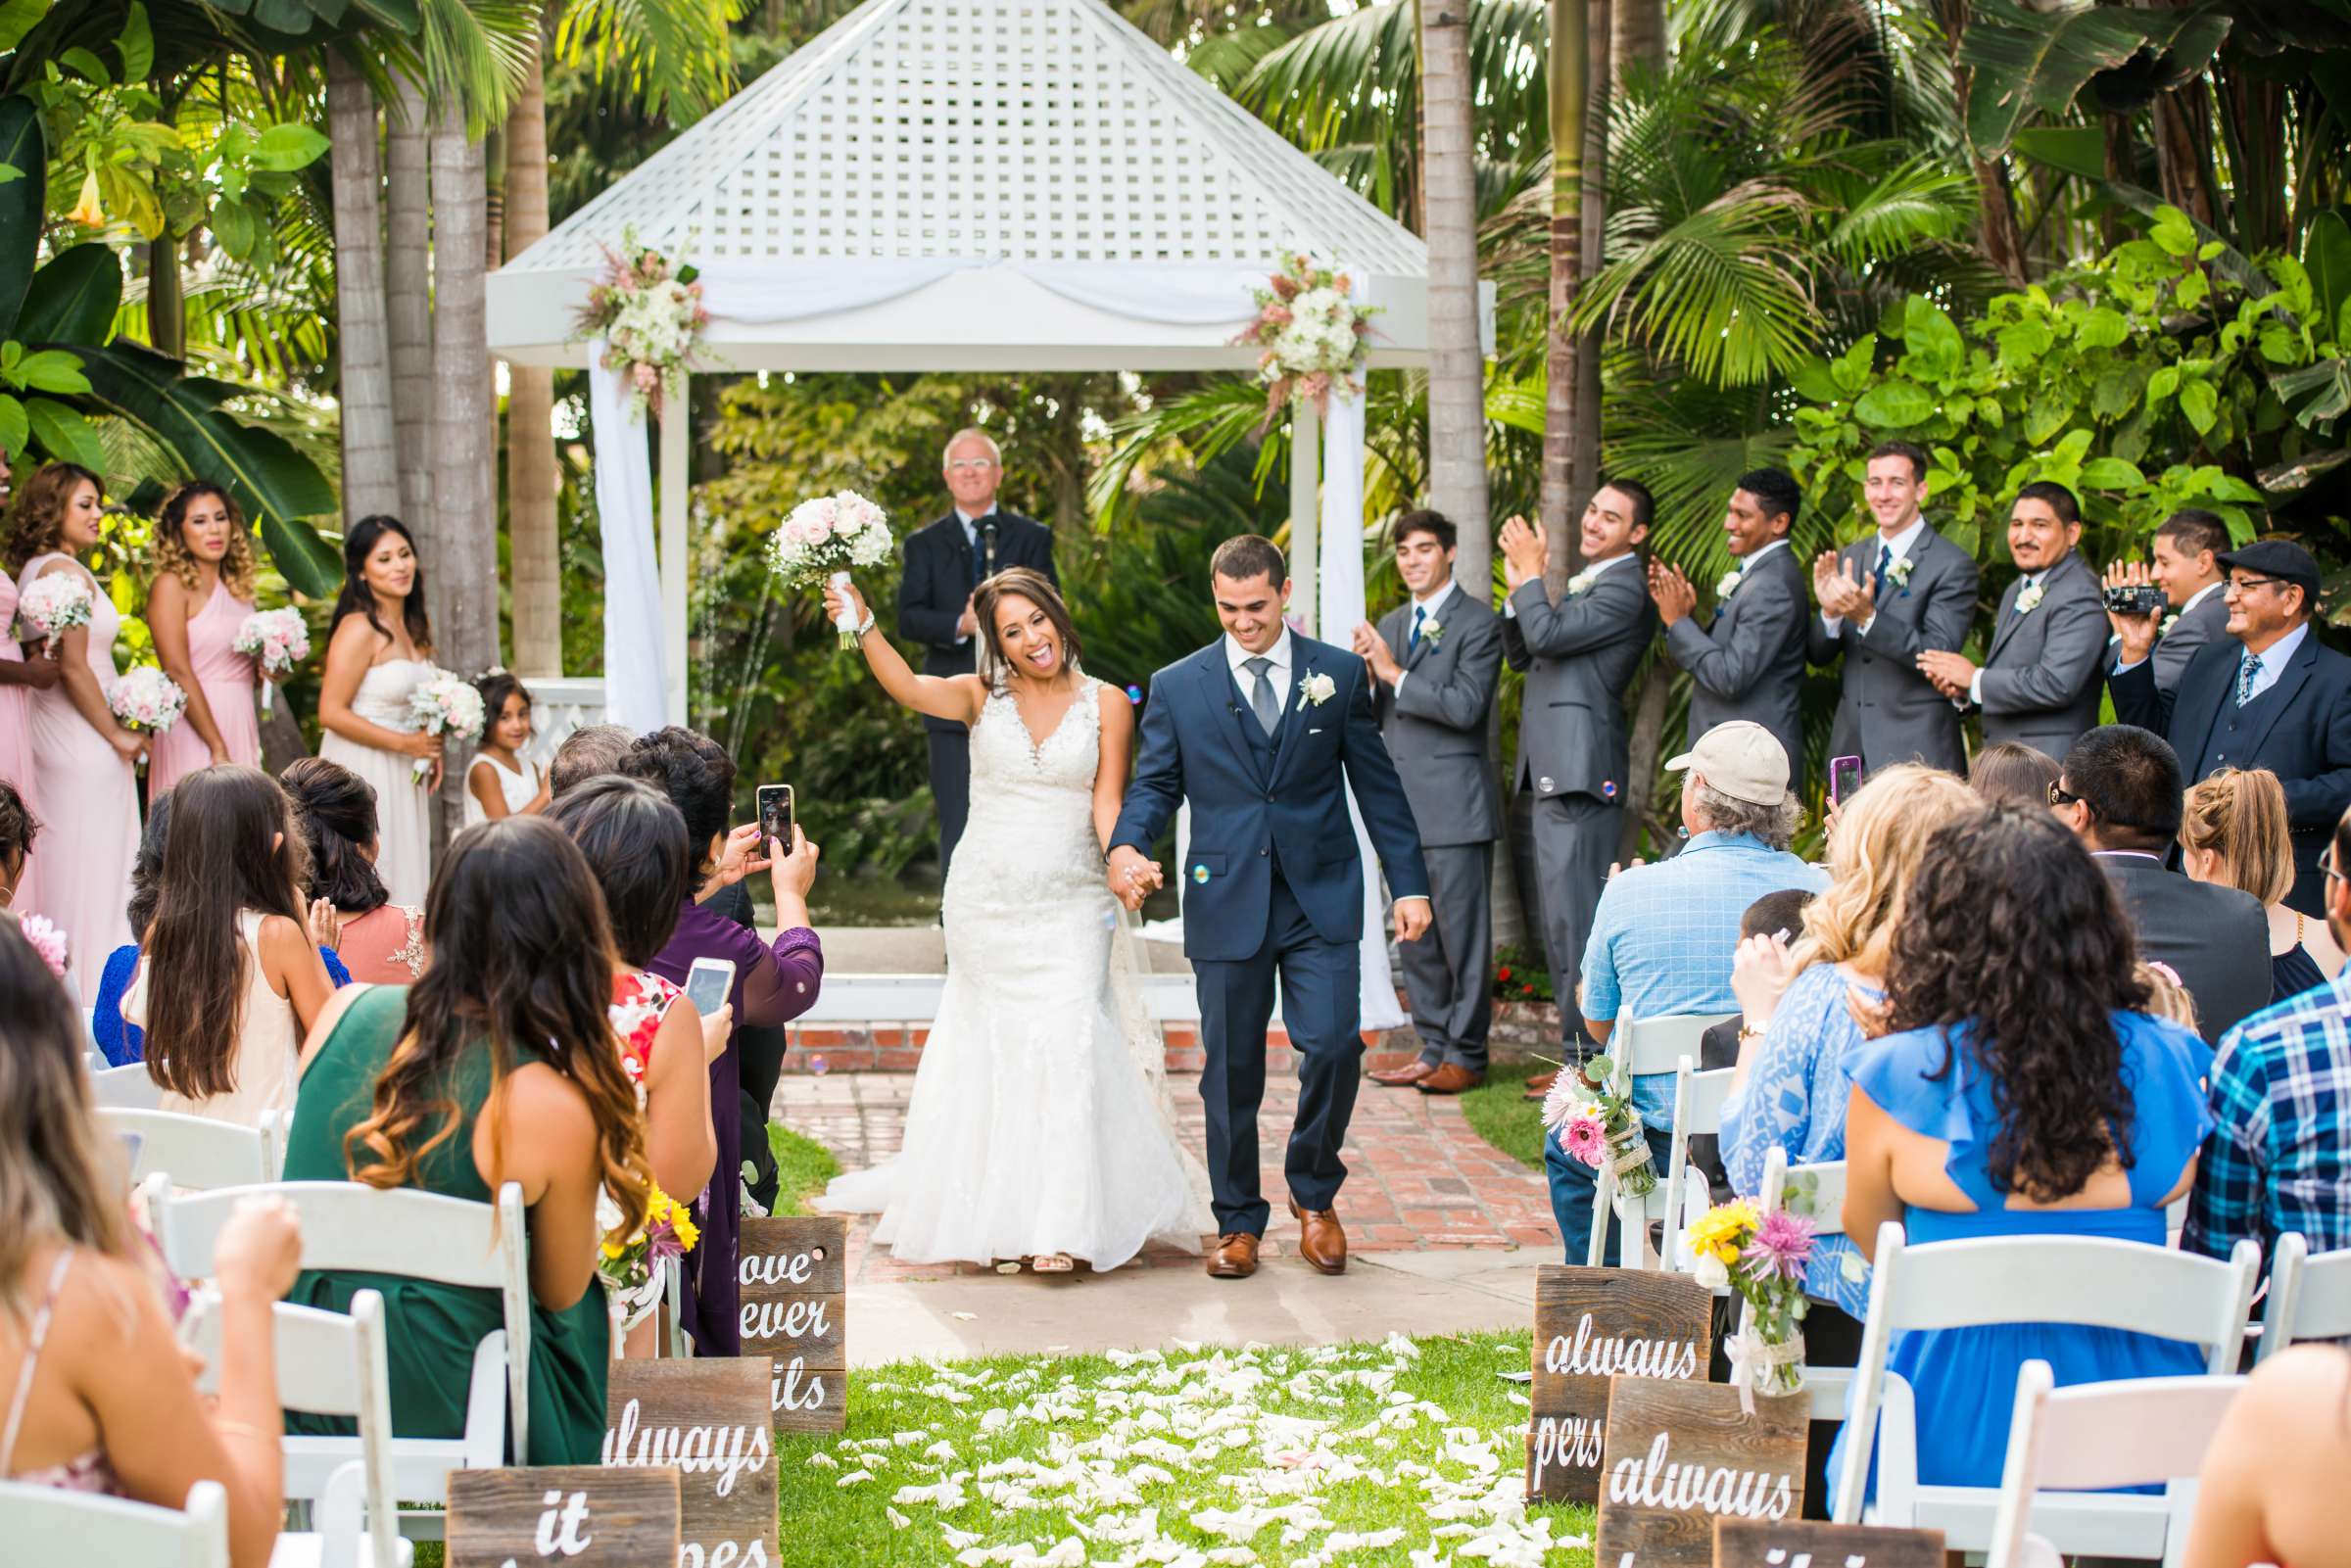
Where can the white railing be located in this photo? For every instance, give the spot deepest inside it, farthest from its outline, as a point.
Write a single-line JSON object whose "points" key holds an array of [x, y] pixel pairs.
{"points": [[560, 705]]}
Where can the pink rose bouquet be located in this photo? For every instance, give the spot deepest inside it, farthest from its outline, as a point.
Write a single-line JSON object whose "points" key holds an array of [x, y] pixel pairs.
{"points": [[822, 538], [276, 640], [53, 604], [147, 701], [444, 704]]}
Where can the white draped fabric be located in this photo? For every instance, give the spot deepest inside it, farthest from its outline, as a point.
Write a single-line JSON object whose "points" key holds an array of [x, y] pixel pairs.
{"points": [[636, 677]]}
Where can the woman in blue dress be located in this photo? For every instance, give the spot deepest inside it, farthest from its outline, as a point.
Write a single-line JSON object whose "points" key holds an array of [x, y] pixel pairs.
{"points": [[2022, 1090]]}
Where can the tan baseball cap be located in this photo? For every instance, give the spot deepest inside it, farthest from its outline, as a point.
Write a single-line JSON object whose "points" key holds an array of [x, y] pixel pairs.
{"points": [[1740, 759]]}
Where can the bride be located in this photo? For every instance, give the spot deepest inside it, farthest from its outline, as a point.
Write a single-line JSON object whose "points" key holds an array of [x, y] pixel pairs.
{"points": [[1039, 1127]]}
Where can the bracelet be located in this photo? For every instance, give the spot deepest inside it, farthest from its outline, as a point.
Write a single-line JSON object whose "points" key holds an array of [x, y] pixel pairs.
{"points": [[859, 634]]}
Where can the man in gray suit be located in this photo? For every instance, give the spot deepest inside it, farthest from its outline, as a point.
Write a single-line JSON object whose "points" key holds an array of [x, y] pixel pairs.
{"points": [[2043, 676], [1574, 741], [1435, 661], [2187, 566], [1884, 601], [1750, 664]]}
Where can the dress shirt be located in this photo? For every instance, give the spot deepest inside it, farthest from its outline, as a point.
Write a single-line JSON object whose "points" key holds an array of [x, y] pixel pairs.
{"points": [[1900, 544], [2271, 663], [971, 537], [1236, 656], [1750, 559], [2278, 1159], [2200, 596], [1975, 687], [1510, 612], [1432, 604]]}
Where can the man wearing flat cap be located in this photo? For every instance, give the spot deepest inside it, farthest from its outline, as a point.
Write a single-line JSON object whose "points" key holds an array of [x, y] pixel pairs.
{"points": [[2269, 694]]}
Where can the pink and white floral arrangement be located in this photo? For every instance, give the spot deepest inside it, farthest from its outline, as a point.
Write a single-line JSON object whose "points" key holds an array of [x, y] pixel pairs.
{"points": [[650, 315], [1312, 334], [276, 640], [444, 704], [822, 538], [53, 604], [146, 699], [46, 939]]}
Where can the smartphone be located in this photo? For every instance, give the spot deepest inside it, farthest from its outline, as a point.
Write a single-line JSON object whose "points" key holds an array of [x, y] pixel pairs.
{"points": [[775, 815], [708, 982], [1845, 777]]}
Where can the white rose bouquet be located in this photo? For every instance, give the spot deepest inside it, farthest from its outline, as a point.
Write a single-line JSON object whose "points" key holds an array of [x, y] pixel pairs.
{"points": [[1312, 334], [443, 703], [650, 315], [822, 538]]}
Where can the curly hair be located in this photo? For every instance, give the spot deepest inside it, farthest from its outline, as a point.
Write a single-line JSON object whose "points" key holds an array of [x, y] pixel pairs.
{"points": [[36, 523], [2014, 946], [696, 772], [1880, 837], [172, 552], [19, 826]]}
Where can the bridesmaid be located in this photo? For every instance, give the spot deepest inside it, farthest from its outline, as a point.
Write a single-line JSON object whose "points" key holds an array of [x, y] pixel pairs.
{"points": [[82, 759], [203, 592], [380, 647], [22, 672]]}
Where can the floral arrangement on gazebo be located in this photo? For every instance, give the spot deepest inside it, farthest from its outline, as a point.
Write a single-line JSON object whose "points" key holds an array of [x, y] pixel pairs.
{"points": [[1312, 334], [650, 318]]}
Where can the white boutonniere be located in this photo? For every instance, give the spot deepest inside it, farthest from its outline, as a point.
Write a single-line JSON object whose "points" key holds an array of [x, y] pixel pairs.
{"points": [[2169, 622], [1581, 581], [2028, 598], [1318, 687], [1730, 581], [1432, 632], [1898, 574]]}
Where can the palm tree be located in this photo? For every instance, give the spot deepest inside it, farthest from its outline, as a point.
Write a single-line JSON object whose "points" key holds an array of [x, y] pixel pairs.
{"points": [[370, 460], [1569, 81], [1457, 373]]}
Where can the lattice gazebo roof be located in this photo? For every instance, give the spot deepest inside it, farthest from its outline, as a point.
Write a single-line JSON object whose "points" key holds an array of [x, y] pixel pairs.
{"points": [[1032, 184]]}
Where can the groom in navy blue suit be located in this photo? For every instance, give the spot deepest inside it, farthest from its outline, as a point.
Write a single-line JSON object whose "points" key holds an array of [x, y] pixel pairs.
{"points": [[1262, 732]]}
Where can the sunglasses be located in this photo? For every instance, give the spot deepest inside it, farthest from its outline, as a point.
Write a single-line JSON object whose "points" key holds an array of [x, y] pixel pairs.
{"points": [[2060, 796]]}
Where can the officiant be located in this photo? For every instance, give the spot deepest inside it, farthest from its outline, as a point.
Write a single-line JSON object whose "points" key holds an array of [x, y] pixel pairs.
{"points": [[945, 562]]}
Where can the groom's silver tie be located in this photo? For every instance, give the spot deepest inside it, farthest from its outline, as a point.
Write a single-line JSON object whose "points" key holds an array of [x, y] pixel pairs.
{"points": [[1261, 700]]}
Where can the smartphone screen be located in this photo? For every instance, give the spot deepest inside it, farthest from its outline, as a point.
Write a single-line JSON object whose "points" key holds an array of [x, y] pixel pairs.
{"points": [[1845, 777], [707, 984], [775, 815]]}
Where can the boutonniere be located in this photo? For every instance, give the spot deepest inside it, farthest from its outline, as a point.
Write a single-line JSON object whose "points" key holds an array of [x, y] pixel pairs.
{"points": [[1432, 632], [2168, 621], [1318, 687], [1730, 581], [2028, 598], [1581, 581], [1898, 574]]}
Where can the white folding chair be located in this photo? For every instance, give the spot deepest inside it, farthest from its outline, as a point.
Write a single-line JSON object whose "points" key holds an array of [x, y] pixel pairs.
{"points": [[197, 1153], [328, 1364], [1698, 1101], [2310, 1297], [1640, 1047], [125, 1088], [415, 1235], [2131, 1286], [47, 1528], [1818, 1192], [2143, 1432]]}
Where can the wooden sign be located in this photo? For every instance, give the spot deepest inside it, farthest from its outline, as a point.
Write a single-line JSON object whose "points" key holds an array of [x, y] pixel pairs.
{"points": [[1810, 1544], [576, 1515], [1592, 1324], [1680, 1455], [708, 1419], [793, 1312]]}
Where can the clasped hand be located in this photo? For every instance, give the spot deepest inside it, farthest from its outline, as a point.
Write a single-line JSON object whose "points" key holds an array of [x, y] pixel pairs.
{"points": [[1131, 876], [1525, 556]]}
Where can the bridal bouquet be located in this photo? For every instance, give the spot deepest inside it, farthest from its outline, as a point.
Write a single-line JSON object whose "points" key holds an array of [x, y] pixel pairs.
{"points": [[651, 316], [630, 1269], [147, 699], [444, 704], [821, 540], [1761, 1256], [276, 640], [53, 604], [46, 939], [1599, 1127], [1312, 334]]}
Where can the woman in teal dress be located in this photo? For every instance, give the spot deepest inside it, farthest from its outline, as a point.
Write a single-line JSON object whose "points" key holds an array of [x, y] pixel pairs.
{"points": [[2025, 1092], [498, 1066]]}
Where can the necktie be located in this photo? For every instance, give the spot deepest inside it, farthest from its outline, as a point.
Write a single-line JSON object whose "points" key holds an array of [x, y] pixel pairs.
{"points": [[1420, 614], [979, 549], [1261, 700], [1877, 582], [2248, 668]]}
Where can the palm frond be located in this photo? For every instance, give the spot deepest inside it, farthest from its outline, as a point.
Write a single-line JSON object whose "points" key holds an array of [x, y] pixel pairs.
{"points": [[1723, 291], [674, 54]]}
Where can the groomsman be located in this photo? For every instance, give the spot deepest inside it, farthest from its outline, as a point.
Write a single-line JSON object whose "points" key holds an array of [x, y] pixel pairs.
{"points": [[1884, 601], [1750, 664], [1435, 661], [2186, 564], [2040, 680], [945, 562], [1574, 745]]}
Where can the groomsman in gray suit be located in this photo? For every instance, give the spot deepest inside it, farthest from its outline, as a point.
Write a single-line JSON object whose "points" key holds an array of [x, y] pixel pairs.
{"points": [[1435, 661], [1884, 601], [1750, 664], [1574, 743], [2044, 674], [2187, 566]]}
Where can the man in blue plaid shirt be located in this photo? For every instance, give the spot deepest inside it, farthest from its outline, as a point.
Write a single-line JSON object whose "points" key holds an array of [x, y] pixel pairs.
{"points": [[2279, 1159]]}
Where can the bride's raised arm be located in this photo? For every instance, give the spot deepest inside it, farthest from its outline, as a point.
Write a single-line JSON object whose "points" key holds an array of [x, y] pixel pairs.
{"points": [[951, 696], [1118, 752]]}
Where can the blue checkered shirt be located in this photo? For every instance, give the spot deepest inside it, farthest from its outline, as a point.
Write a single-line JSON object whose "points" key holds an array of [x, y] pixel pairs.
{"points": [[2279, 1159], [1664, 937]]}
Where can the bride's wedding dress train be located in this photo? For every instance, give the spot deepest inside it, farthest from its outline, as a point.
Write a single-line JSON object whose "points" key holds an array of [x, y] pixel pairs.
{"points": [[1039, 1122]]}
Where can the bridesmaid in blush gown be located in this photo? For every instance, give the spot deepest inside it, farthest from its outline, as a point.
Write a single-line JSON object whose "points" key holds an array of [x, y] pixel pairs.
{"points": [[203, 591], [22, 672], [82, 759], [379, 649]]}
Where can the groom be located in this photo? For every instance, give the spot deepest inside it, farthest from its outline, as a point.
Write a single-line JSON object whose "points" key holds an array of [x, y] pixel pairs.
{"points": [[1263, 733]]}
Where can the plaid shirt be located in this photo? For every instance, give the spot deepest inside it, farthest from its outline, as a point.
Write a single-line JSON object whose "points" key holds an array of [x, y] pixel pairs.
{"points": [[2279, 1159]]}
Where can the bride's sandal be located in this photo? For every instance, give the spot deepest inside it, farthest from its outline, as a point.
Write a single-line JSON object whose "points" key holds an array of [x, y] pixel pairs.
{"points": [[1053, 1264]]}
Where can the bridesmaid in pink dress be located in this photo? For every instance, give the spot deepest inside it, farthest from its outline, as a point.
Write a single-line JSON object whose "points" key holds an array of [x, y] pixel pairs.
{"points": [[202, 594], [22, 672], [82, 758]]}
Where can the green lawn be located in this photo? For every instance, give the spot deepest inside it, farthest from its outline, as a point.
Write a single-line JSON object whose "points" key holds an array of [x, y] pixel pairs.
{"points": [[802, 1168], [1502, 1115]]}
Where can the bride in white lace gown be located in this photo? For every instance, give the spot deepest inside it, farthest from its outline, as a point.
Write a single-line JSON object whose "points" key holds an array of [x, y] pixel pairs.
{"points": [[1040, 1126]]}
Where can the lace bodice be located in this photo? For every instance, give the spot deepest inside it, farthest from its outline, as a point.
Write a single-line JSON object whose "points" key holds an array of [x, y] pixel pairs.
{"points": [[1032, 826]]}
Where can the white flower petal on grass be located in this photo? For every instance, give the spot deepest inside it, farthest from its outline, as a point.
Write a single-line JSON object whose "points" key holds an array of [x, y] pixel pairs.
{"points": [[823, 1462], [853, 1476], [897, 1520]]}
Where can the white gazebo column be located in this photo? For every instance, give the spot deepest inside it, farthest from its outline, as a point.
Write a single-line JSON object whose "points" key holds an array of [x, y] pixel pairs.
{"points": [[1305, 516], [675, 415]]}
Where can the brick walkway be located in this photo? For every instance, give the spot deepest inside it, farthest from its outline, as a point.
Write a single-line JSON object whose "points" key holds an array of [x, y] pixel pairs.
{"points": [[1419, 1177]]}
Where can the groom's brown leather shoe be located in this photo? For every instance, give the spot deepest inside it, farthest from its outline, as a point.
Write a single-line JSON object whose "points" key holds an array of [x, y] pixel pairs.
{"points": [[1235, 1256], [1403, 1077], [1320, 1241], [1451, 1078]]}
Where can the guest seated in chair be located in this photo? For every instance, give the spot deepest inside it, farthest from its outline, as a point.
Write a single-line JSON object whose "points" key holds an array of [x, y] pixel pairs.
{"points": [[95, 1394], [2272, 1483], [2023, 1090]]}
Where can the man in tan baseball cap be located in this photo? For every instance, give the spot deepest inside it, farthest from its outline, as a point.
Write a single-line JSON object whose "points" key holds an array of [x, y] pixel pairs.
{"points": [[1740, 759]]}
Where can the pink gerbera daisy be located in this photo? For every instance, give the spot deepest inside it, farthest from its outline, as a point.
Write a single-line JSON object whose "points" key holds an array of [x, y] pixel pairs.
{"points": [[1782, 1247], [1585, 1138]]}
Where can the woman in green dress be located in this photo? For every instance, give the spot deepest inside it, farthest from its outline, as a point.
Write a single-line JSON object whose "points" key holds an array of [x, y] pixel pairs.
{"points": [[498, 1066]]}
